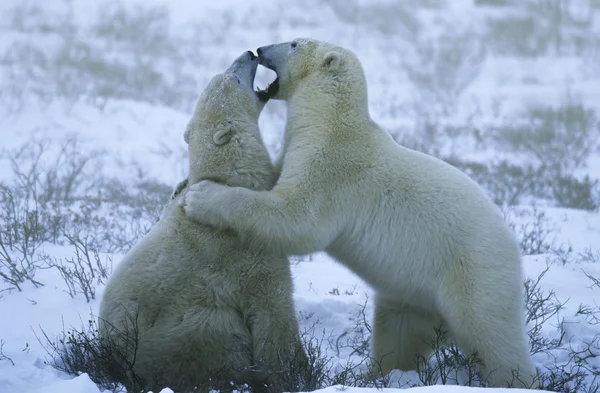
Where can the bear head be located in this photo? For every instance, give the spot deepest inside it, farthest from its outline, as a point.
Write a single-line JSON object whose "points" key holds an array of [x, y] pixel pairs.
{"points": [[225, 119], [297, 61]]}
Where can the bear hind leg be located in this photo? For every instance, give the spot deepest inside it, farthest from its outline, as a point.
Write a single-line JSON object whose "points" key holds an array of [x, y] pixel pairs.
{"points": [[492, 329], [402, 334]]}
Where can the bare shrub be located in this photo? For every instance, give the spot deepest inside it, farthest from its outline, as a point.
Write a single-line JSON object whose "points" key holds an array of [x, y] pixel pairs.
{"points": [[494, 3], [542, 27], [58, 195], [563, 136], [357, 339], [560, 140], [441, 67], [541, 307], [588, 255], [505, 182], [510, 184], [573, 369], [108, 361], [431, 136], [303, 370], [548, 145], [395, 18], [447, 365], [30, 207], [2, 355], [125, 54], [576, 193], [534, 234], [577, 373], [574, 360], [20, 237], [83, 272]]}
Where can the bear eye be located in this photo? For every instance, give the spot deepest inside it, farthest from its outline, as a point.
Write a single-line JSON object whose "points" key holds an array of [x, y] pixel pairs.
{"points": [[294, 44], [238, 81]]}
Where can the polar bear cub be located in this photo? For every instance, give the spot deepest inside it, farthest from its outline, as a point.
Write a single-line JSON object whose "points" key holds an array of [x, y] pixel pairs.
{"points": [[205, 306], [419, 231]]}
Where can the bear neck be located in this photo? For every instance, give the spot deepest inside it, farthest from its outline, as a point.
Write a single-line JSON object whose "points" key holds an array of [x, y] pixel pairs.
{"points": [[253, 171], [250, 168], [331, 101]]}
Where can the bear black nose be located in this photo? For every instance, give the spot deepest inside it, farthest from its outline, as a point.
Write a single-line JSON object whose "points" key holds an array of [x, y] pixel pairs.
{"points": [[260, 51], [252, 55]]}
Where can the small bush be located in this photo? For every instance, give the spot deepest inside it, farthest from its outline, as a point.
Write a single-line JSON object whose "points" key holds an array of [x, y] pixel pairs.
{"points": [[575, 193], [3, 356], [108, 362], [447, 365], [547, 145], [129, 52], [442, 67], [83, 272], [395, 18], [562, 137], [58, 195], [82, 350], [512, 184], [541, 27], [31, 207]]}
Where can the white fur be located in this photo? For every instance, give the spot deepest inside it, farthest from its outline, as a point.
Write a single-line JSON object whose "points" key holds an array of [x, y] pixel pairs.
{"points": [[205, 305], [420, 232]]}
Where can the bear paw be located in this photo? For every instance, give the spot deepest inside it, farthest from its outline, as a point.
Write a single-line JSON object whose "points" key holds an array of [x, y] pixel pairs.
{"points": [[206, 201]]}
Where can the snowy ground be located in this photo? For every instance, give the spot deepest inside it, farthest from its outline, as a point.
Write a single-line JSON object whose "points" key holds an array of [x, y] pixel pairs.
{"points": [[423, 59]]}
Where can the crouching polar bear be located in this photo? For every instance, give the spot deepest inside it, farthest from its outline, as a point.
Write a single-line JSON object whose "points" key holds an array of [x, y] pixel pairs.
{"points": [[204, 306], [420, 232]]}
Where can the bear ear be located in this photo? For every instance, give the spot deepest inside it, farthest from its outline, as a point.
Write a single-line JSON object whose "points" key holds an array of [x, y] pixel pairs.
{"points": [[331, 61], [222, 135]]}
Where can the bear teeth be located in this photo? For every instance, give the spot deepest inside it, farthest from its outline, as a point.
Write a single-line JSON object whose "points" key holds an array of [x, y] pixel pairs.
{"points": [[263, 94]]}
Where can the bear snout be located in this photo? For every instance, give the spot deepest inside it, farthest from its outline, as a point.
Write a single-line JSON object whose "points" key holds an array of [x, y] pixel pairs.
{"points": [[265, 61], [252, 55], [263, 53]]}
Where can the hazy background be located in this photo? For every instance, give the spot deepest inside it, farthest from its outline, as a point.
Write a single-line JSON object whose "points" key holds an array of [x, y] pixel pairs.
{"points": [[95, 96]]}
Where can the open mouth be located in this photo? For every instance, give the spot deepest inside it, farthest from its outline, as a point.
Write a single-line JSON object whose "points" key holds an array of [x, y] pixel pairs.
{"points": [[269, 91]]}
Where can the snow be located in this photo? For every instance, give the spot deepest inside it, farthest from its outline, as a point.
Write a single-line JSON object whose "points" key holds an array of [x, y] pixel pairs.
{"points": [[329, 298], [425, 389]]}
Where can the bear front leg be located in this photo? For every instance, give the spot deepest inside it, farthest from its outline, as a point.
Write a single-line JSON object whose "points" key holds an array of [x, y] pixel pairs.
{"points": [[289, 220], [178, 188]]}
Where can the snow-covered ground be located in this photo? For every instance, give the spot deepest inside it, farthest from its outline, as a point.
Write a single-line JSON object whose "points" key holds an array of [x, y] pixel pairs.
{"points": [[400, 45]]}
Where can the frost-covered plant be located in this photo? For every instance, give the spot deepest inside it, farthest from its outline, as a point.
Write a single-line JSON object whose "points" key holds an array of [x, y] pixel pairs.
{"points": [[543, 27], [562, 137], [57, 194], [109, 362], [128, 52], [441, 67], [3, 356], [84, 271], [556, 141], [389, 18], [30, 204]]}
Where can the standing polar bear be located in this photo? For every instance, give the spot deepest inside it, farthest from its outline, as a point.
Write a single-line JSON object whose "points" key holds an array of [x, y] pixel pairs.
{"points": [[207, 309], [420, 232]]}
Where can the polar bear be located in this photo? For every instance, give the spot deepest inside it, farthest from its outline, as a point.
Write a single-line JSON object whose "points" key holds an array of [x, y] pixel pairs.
{"points": [[203, 305], [423, 234]]}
